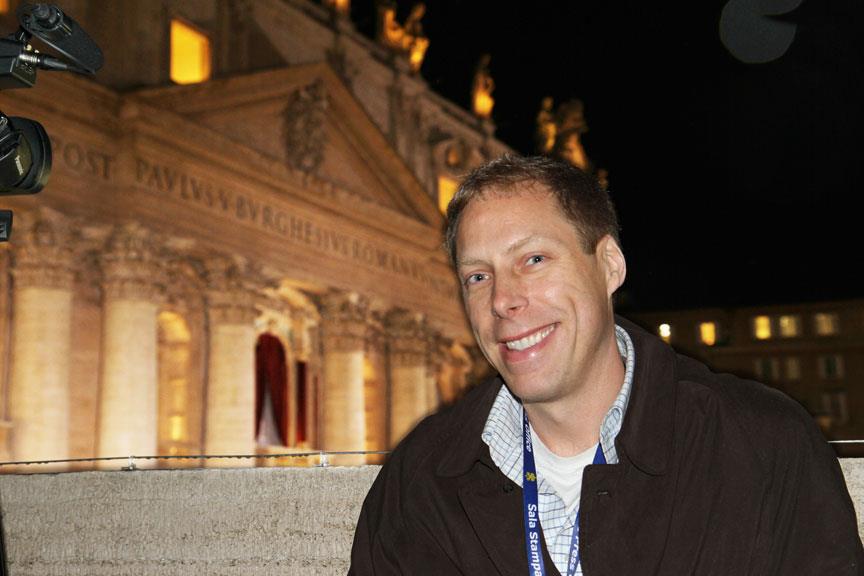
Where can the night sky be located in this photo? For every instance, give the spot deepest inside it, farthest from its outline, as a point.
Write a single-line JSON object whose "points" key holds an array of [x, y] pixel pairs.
{"points": [[736, 183]]}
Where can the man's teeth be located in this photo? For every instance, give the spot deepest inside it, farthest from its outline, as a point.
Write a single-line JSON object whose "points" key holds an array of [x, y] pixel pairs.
{"points": [[530, 340]]}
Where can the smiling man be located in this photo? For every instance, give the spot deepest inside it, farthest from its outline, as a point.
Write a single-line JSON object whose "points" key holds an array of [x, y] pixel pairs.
{"points": [[597, 449]]}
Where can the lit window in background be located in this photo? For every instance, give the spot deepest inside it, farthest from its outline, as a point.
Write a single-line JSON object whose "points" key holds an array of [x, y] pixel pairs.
{"points": [[4, 6], [190, 54], [762, 327], [790, 326], [665, 332], [825, 324], [446, 189], [793, 368], [708, 333]]}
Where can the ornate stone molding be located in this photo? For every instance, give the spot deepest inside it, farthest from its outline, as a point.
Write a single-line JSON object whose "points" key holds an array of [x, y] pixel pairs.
{"points": [[344, 321], [131, 265], [184, 286], [44, 255], [231, 293], [303, 127], [376, 334], [408, 334]]}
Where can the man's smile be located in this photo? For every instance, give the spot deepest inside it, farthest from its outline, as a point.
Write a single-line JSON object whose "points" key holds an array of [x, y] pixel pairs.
{"points": [[531, 340]]}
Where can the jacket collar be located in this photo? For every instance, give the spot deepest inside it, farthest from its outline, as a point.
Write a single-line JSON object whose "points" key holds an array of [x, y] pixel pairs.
{"points": [[465, 445], [646, 435]]}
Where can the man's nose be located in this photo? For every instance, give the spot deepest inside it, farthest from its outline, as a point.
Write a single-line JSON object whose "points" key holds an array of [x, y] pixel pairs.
{"points": [[508, 298]]}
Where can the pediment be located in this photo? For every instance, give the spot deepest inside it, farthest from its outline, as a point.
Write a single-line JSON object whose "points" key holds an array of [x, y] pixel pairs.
{"points": [[305, 117]]}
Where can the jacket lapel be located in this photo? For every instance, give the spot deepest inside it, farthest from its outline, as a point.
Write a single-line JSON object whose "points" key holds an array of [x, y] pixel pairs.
{"points": [[491, 511], [491, 502]]}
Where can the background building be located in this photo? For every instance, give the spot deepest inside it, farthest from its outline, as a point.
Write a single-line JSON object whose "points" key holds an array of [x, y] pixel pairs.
{"points": [[239, 246], [813, 352]]}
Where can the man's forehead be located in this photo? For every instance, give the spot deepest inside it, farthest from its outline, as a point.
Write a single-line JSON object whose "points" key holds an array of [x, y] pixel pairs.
{"points": [[511, 189]]}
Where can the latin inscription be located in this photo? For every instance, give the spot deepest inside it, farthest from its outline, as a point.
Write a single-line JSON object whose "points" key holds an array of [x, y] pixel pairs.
{"points": [[204, 193], [83, 159]]}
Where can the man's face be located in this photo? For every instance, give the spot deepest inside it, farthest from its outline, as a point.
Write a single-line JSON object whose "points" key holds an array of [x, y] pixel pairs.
{"points": [[539, 305]]}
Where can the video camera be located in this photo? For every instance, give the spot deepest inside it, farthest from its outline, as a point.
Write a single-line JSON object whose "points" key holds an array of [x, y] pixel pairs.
{"points": [[25, 149]]}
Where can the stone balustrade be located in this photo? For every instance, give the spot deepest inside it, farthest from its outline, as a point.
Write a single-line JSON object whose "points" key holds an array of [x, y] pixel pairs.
{"points": [[250, 522]]}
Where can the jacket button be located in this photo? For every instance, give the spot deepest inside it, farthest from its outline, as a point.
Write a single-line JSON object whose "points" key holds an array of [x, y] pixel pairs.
{"points": [[508, 487]]}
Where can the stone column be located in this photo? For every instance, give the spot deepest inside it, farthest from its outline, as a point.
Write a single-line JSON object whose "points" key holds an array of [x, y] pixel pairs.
{"points": [[344, 329], [132, 286], [375, 379], [41, 333], [230, 418], [408, 349]]}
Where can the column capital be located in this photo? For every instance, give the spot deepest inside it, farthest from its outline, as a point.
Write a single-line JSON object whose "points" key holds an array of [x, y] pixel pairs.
{"points": [[44, 256], [376, 333], [344, 321], [231, 296], [408, 334], [436, 351], [131, 265]]}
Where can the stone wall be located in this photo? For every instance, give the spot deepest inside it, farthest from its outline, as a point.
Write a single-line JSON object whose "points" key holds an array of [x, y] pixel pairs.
{"points": [[250, 522]]}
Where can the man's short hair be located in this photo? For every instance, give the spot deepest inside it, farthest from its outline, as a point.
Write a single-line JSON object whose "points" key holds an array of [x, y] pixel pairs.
{"points": [[581, 198]]}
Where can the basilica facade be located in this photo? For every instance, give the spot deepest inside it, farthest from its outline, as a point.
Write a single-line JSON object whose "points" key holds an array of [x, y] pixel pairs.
{"points": [[247, 264]]}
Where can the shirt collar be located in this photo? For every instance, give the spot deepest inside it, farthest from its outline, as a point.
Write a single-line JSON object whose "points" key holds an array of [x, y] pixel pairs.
{"points": [[503, 429]]}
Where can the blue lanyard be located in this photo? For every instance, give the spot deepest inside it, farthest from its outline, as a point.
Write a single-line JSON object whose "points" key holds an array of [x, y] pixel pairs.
{"points": [[531, 510]]}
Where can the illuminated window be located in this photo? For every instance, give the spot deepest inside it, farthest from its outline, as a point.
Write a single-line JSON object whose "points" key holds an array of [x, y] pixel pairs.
{"points": [[446, 189], [762, 327], [831, 367], [708, 333], [793, 368], [767, 369], [790, 326], [665, 332], [4, 6], [825, 324], [190, 54]]}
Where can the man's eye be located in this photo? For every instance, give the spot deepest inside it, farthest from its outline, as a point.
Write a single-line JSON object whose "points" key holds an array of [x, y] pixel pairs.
{"points": [[475, 278], [536, 259]]}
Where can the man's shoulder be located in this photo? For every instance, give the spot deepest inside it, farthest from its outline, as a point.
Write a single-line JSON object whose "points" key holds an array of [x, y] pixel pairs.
{"points": [[767, 417]]}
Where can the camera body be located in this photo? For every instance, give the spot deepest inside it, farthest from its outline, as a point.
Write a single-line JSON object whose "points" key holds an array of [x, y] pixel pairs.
{"points": [[25, 149]]}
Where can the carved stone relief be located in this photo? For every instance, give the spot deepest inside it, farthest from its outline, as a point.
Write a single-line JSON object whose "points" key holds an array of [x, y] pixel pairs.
{"points": [[303, 127]]}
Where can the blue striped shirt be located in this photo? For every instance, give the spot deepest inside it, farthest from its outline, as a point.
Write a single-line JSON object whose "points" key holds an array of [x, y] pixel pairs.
{"points": [[503, 434]]}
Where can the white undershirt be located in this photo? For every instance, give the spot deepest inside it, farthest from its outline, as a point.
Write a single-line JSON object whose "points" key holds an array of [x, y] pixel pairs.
{"points": [[564, 473]]}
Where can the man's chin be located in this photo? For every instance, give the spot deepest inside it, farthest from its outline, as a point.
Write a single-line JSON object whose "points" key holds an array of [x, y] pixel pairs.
{"points": [[527, 391]]}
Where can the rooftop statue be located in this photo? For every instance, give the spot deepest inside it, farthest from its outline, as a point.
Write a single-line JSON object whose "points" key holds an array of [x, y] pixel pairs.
{"points": [[482, 89]]}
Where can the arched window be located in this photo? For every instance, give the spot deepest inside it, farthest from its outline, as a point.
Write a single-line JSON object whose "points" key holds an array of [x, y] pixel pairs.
{"points": [[271, 392]]}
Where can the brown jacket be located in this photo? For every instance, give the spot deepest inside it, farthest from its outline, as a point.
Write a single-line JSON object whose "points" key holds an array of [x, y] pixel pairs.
{"points": [[716, 476]]}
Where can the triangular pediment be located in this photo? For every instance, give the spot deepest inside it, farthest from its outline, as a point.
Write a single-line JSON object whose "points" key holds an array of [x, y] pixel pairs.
{"points": [[305, 117]]}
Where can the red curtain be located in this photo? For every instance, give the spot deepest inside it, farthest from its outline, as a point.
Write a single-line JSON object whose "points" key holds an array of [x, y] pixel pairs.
{"points": [[271, 372], [302, 386]]}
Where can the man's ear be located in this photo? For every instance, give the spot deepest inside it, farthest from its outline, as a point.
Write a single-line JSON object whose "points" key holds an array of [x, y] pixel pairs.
{"points": [[613, 263]]}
